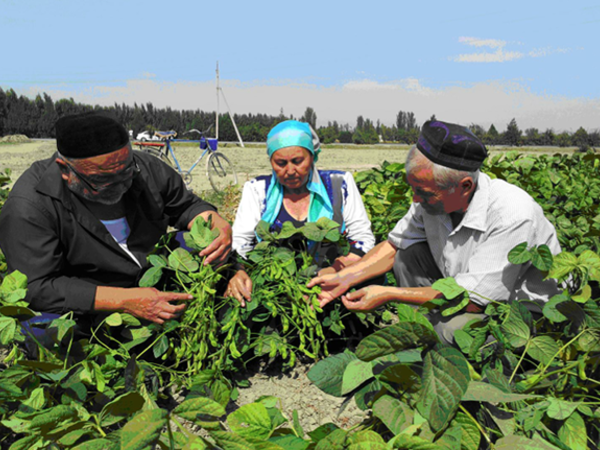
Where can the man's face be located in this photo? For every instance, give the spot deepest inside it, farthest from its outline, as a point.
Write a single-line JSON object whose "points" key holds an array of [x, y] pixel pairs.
{"points": [[103, 178], [433, 199]]}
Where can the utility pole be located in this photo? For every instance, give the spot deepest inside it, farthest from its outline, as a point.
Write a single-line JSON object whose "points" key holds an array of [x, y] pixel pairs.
{"points": [[219, 90]]}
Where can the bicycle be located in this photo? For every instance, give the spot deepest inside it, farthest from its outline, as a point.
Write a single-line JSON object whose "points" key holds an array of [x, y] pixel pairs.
{"points": [[219, 170]]}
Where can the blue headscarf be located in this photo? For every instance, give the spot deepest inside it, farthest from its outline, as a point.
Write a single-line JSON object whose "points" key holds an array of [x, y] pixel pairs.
{"points": [[292, 133]]}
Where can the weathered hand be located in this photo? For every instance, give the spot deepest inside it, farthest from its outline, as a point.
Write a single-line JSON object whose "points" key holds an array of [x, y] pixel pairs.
{"points": [[240, 287], [154, 305], [326, 271], [219, 249], [332, 286], [367, 299]]}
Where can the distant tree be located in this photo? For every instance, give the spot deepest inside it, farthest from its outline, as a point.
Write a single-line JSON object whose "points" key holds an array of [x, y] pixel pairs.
{"points": [[477, 130], [581, 139], [547, 137], [310, 117], [532, 136], [563, 139], [401, 120], [411, 121], [432, 118], [594, 138], [345, 137], [512, 135], [360, 123], [491, 137]]}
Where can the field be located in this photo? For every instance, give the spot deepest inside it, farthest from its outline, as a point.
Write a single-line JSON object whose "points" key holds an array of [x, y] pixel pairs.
{"points": [[409, 390], [249, 162]]}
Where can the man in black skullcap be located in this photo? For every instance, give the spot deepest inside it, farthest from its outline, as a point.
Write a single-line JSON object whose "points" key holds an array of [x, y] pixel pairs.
{"points": [[81, 224], [461, 224]]}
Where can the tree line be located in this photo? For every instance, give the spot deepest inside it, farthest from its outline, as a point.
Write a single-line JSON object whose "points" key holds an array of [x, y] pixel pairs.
{"points": [[35, 118]]}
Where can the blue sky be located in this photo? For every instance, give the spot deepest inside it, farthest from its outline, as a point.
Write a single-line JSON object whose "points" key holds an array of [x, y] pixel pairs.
{"points": [[465, 61]]}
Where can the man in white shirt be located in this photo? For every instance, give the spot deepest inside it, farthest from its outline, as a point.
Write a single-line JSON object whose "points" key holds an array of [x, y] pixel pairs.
{"points": [[461, 224]]}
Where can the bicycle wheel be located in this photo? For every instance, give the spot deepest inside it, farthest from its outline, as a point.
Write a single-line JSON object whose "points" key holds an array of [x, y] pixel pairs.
{"points": [[220, 171]]}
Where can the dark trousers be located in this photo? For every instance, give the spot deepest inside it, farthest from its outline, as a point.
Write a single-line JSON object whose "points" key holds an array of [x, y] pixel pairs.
{"points": [[415, 267]]}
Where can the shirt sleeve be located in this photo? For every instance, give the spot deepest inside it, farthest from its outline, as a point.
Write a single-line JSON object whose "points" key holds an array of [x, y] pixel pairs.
{"points": [[246, 219], [409, 230], [490, 276], [355, 215], [31, 244]]}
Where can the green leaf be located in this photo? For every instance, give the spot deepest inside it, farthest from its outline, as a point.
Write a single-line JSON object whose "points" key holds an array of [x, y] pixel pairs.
{"points": [[287, 231], [161, 346], [157, 261], [451, 439], [406, 442], [328, 374], [63, 326], [18, 312], [455, 305], [121, 407], [8, 327], [515, 329], [407, 313], [230, 441], [471, 435], [396, 415], [283, 442], [181, 259], [202, 411], [515, 442], [479, 391], [262, 231], [445, 381], [114, 320], [541, 258], [560, 409], [151, 277], [449, 288], [251, 420], [543, 349], [573, 432], [519, 254], [51, 418], [72, 437], [143, 431], [394, 338], [563, 264], [200, 236], [583, 294], [12, 282], [356, 373], [313, 232], [550, 311], [366, 440], [333, 441]]}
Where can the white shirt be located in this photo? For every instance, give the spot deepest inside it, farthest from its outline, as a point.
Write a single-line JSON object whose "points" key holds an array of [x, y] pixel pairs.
{"points": [[499, 217], [252, 206]]}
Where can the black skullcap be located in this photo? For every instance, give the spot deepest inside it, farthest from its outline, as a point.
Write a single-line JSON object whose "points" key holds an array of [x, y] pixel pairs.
{"points": [[89, 134], [451, 145]]}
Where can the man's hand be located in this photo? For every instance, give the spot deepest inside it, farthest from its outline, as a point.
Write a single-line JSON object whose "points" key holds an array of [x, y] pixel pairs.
{"points": [[240, 287], [219, 249], [154, 305], [332, 286], [368, 298]]}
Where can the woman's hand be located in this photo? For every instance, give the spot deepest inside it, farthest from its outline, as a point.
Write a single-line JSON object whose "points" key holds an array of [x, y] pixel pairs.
{"points": [[240, 287], [368, 298]]}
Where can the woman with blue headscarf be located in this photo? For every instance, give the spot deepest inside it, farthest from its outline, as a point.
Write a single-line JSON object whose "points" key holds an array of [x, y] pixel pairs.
{"points": [[296, 192]]}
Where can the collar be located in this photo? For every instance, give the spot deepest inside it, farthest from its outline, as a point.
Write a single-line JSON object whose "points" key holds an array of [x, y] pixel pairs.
{"points": [[476, 215]]}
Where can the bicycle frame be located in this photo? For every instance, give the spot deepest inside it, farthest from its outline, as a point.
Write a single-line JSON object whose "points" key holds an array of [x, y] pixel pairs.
{"points": [[181, 171]]}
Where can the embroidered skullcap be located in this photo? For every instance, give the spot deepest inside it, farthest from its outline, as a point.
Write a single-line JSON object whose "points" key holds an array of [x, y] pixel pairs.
{"points": [[292, 133], [89, 134], [451, 145]]}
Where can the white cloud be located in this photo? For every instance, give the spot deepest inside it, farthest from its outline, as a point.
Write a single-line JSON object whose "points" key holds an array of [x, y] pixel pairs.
{"points": [[499, 55], [482, 103]]}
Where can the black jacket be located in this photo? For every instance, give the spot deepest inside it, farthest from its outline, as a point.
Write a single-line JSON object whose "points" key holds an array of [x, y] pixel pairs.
{"points": [[65, 251]]}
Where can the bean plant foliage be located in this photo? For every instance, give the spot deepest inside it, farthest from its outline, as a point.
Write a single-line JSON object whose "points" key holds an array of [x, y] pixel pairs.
{"points": [[525, 376]]}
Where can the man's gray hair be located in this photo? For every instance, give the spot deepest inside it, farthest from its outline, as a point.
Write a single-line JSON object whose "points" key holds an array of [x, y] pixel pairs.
{"points": [[444, 177]]}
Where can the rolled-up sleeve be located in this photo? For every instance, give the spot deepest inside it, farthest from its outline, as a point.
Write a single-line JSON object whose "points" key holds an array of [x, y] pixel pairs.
{"points": [[246, 219], [356, 219]]}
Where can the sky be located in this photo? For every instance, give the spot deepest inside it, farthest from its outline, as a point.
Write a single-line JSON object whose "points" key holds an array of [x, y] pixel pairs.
{"points": [[468, 62]]}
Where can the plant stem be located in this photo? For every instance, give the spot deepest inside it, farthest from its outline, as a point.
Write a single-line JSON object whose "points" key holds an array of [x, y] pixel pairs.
{"points": [[520, 361], [479, 427]]}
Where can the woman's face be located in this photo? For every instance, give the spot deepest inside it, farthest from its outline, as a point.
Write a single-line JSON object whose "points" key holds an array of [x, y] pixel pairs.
{"points": [[292, 166]]}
